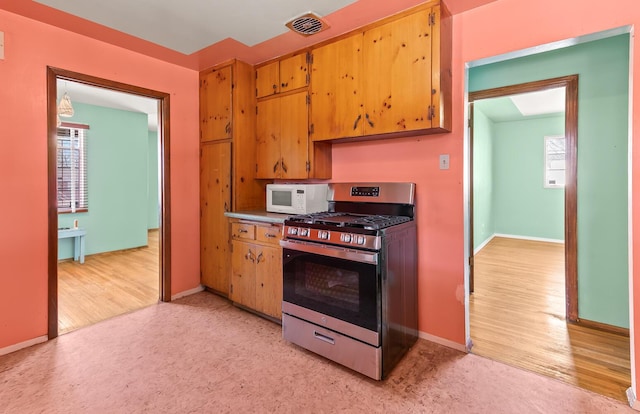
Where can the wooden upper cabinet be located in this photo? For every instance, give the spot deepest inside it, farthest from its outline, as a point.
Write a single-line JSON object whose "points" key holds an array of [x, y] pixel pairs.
{"points": [[282, 137], [393, 78], [268, 138], [215, 104], [282, 76], [294, 133], [397, 56], [336, 102]]}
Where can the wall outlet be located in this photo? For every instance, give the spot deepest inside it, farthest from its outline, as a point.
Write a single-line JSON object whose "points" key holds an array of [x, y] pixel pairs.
{"points": [[444, 161]]}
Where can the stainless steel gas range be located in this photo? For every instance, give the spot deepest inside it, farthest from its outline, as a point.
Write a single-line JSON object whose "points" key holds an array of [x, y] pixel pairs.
{"points": [[350, 277]]}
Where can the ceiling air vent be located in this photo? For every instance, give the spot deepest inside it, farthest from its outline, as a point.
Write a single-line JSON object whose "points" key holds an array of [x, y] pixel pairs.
{"points": [[307, 24]]}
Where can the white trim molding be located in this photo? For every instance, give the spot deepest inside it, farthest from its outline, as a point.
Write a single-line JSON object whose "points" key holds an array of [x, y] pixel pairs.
{"points": [[16, 347], [187, 292], [442, 341], [516, 236], [633, 401]]}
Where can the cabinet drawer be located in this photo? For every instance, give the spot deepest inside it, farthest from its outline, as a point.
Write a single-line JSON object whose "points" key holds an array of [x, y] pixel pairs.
{"points": [[243, 231], [269, 234]]}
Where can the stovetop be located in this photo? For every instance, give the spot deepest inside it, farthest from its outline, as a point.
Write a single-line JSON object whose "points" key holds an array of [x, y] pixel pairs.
{"points": [[348, 220]]}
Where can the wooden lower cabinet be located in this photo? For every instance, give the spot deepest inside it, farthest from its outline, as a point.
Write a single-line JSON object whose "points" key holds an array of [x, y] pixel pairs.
{"points": [[256, 267]]}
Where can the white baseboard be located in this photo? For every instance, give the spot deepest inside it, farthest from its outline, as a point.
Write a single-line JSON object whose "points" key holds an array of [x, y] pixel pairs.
{"points": [[484, 243], [516, 236], [187, 292], [442, 341], [12, 348], [631, 397]]}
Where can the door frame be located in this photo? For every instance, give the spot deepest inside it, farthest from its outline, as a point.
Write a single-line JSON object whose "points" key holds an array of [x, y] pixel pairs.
{"points": [[53, 74], [570, 83]]}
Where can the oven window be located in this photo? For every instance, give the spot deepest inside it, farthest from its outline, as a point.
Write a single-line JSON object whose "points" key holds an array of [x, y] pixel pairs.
{"points": [[336, 287], [281, 198], [340, 288]]}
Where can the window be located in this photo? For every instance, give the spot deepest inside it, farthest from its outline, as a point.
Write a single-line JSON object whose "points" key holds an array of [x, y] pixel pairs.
{"points": [[72, 168], [554, 162]]}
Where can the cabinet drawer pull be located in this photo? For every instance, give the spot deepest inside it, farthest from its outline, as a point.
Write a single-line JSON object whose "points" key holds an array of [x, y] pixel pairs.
{"points": [[243, 231], [324, 338], [270, 235]]}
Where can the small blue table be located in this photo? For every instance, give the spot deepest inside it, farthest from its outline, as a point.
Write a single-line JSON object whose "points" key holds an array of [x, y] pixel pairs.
{"points": [[78, 241]]}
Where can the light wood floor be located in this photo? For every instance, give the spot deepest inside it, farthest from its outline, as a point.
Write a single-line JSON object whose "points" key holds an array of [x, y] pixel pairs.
{"points": [[107, 285], [517, 316]]}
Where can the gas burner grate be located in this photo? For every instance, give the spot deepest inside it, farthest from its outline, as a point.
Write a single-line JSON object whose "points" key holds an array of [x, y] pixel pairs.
{"points": [[368, 222]]}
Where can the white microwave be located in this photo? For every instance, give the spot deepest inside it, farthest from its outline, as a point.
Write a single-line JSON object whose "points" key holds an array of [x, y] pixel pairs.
{"points": [[297, 198]]}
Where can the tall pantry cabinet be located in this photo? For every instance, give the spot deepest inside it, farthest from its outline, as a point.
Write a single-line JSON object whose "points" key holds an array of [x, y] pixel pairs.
{"points": [[227, 164]]}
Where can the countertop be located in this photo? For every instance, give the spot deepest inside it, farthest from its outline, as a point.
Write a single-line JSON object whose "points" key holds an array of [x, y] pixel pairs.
{"points": [[258, 215]]}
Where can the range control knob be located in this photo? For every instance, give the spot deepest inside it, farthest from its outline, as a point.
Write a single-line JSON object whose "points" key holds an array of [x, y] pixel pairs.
{"points": [[293, 230], [360, 240], [304, 232], [323, 235], [345, 238]]}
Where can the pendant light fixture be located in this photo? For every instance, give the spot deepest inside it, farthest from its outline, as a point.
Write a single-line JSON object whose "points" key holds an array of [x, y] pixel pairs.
{"points": [[65, 109]]}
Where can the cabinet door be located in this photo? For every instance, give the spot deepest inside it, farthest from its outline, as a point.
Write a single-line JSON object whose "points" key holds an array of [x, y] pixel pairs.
{"points": [[268, 80], [268, 139], [215, 104], [397, 56], [336, 95], [215, 199], [294, 136], [293, 72], [269, 281], [243, 274]]}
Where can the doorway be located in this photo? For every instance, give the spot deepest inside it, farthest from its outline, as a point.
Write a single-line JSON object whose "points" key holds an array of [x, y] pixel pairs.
{"points": [[163, 234], [516, 314], [570, 86]]}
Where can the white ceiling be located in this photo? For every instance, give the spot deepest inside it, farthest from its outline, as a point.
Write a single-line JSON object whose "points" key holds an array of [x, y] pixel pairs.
{"points": [[110, 99], [191, 25], [523, 106]]}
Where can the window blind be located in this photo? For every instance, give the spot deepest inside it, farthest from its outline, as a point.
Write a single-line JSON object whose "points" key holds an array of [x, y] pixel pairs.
{"points": [[71, 170]]}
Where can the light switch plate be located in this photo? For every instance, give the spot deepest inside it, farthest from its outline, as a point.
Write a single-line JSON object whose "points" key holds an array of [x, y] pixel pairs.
{"points": [[444, 161], [1, 45]]}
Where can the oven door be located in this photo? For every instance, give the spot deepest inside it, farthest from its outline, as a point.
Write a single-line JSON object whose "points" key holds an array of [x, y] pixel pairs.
{"points": [[333, 287]]}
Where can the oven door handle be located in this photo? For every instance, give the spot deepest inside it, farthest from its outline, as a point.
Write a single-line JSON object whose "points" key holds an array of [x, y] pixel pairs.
{"points": [[332, 251]]}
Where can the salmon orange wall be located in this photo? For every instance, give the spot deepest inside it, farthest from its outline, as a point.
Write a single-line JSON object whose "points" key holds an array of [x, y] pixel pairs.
{"points": [[29, 48], [496, 28], [510, 25]]}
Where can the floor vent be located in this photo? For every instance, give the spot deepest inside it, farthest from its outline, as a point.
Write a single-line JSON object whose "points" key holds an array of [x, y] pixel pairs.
{"points": [[307, 24]]}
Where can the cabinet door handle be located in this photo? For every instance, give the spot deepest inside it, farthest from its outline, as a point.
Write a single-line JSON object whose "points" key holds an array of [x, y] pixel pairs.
{"points": [[355, 124], [226, 206], [227, 128], [275, 166], [368, 120], [284, 166], [249, 256], [260, 257]]}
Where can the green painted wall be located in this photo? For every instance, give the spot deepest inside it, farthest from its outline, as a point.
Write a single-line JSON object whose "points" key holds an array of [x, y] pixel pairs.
{"points": [[117, 156], [603, 67], [522, 206], [483, 224], [153, 212]]}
